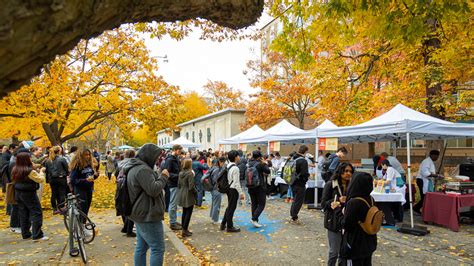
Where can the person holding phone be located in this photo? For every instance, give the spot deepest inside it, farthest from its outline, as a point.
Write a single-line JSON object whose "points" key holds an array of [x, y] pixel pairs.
{"points": [[333, 200], [82, 177]]}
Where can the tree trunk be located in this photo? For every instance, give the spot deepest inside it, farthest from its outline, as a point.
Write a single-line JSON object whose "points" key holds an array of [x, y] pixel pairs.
{"points": [[433, 85], [52, 134]]}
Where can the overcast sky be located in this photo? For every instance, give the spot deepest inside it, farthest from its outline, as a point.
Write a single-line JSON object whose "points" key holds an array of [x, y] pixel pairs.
{"points": [[191, 62]]}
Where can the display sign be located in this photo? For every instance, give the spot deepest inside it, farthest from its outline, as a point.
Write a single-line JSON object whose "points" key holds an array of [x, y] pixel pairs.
{"points": [[242, 147], [274, 146], [328, 144]]}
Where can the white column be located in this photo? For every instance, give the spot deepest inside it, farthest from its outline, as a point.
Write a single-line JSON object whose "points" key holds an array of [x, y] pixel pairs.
{"points": [[409, 178]]}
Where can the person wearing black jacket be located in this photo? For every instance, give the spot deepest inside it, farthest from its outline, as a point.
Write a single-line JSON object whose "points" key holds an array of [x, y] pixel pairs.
{"points": [[298, 184], [57, 171], [258, 194], [358, 246], [242, 169], [173, 165], [332, 202]]}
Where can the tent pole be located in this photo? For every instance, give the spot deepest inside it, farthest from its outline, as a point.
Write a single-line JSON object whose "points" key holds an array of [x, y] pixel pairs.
{"points": [[409, 178], [315, 205]]}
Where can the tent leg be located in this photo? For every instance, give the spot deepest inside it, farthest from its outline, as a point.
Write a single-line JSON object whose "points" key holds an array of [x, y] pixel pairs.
{"points": [[316, 205], [411, 229]]}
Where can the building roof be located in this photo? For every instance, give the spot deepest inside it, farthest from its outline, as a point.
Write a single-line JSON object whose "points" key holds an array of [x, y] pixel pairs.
{"points": [[208, 116]]}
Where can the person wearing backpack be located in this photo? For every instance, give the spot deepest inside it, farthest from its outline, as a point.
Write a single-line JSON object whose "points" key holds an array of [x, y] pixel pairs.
{"points": [[229, 182], [217, 166], [187, 194], [173, 165], [242, 169], [332, 202], [145, 190], [361, 221], [286, 175], [330, 165], [198, 168], [57, 170], [127, 223], [257, 185], [299, 177]]}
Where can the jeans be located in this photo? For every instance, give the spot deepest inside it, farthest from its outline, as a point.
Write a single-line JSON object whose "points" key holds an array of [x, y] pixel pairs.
{"points": [[232, 198], [216, 205], [259, 199], [31, 214], [200, 193], [186, 217], [58, 192], [289, 194], [173, 205], [245, 189], [149, 235], [298, 202], [14, 215], [86, 196], [334, 239]]}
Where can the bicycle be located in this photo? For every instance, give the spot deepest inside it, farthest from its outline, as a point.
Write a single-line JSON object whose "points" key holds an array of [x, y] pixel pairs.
{"points": [[82, 233]]}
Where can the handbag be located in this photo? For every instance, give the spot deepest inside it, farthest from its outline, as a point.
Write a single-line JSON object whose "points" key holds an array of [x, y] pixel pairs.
{"points": [[10, 196]]}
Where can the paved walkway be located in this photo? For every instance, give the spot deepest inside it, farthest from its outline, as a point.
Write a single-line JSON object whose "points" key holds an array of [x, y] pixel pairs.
{"points": [[110, 247], [279, 242]]}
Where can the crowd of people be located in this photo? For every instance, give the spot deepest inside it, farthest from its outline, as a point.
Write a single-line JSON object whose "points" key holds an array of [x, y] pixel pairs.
{"points": [[162, 182]]}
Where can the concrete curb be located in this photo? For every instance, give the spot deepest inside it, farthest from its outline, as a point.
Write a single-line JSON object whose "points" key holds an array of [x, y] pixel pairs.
{"points": [[179, 245]]}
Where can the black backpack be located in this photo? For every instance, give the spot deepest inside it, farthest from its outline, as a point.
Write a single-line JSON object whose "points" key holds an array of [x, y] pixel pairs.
{"points": [[123, 203], [223, 185], [242, 168], [325, 173], [206, 180]]}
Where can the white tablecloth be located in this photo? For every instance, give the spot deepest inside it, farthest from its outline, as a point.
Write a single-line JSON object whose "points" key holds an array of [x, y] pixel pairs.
{"points": [[390, 197], [310, 183]]}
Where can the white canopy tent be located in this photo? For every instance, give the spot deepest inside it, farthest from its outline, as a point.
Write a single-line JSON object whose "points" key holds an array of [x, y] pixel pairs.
{"points": [[183, 142], [242, 137], [400, 123]]}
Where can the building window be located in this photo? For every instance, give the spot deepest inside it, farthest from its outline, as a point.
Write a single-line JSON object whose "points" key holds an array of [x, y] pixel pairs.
{"points": [[200, 136], [187, 135], [208, 135], [194, 140]]}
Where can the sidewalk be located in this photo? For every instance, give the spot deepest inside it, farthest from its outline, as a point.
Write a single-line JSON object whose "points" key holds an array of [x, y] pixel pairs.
{"points": [[110, 247], [279, 242]]}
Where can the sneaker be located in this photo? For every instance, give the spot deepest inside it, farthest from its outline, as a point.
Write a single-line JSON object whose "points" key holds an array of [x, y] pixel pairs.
{"points": [[255, 224], [44, 238], [16, 230], [216, 223], [132, 234], [123, 231], [222, 227], [233, 230], [176, 226]]}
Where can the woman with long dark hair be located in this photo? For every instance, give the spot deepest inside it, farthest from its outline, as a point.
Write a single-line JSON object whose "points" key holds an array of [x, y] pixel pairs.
{"points": [[358, 246], [57, 171], [27, 182], [333, 201], [83, 177]]}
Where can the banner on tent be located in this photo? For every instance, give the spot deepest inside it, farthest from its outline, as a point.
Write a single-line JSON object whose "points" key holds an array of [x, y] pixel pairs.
{"points": [[328, 144], [242, 147], [274, 146]]}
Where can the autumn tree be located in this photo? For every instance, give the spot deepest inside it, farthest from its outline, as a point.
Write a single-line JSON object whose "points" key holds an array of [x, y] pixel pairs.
{"points": [[373, 54], [221, 96], [283, 91], [110, 77]]}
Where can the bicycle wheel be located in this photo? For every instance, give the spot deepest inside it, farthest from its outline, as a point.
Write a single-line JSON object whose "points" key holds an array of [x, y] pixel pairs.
{"points": [[79, 235], [88, 228]]}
